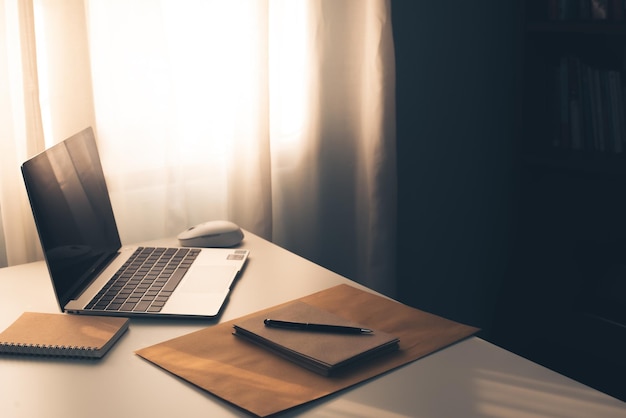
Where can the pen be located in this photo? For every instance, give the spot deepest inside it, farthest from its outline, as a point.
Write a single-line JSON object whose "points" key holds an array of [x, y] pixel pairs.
{"points": [[305, 326]]}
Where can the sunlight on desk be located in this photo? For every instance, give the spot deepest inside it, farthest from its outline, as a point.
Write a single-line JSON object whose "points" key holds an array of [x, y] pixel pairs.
{"points": [[507, 395], [473, 378], [349, 409]]}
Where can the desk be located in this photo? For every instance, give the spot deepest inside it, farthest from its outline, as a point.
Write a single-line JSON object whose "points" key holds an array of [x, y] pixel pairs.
{"points": [[470, 379]]}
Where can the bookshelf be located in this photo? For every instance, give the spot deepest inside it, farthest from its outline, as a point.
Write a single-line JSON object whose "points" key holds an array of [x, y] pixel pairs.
{"points": [[565, 306], [574, 68]]}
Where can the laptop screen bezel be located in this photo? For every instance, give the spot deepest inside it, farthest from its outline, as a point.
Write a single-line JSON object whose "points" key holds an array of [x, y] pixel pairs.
{"points": [[72, 212]]}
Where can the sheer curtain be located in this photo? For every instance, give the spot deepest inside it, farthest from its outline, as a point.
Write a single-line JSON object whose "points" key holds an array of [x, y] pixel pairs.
{"points": [[275, 114], [20, 129]]}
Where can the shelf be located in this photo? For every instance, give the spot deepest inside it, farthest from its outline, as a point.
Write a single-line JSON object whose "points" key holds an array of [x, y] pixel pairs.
{"points": [[575, 27], [593, 162], [570, 248]]}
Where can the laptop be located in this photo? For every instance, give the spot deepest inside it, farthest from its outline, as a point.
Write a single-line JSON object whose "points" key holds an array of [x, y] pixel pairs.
{"points": [[91, 272]]}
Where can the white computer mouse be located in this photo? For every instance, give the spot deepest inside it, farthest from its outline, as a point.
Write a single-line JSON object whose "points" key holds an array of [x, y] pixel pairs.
{"points": [[211, 234]]}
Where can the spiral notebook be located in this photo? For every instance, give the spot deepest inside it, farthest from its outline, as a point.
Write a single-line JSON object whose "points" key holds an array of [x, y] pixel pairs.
{"points": [[62, 335]]}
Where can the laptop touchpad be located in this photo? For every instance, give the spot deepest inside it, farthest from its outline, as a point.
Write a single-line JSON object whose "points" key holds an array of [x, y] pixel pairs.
{"points": [[208, 279]]}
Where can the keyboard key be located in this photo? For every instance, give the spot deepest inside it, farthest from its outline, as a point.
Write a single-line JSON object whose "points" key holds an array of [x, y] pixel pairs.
{"points": [[142, 306]]}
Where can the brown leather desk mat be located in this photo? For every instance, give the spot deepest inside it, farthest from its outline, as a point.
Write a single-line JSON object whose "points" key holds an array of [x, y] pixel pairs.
{"points": [[264, 384]]}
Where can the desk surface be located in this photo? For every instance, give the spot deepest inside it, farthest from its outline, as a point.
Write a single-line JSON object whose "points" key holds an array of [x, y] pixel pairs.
{"points": [[470, 379]]}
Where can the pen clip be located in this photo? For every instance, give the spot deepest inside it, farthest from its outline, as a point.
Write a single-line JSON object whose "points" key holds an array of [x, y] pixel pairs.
{"points": [[283, 324]]}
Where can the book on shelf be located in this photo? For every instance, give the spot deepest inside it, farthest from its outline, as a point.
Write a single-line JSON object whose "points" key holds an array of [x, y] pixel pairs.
{"points": [[590, 107], [62, 335], [326, 353], [599, 9], [584, 10]]}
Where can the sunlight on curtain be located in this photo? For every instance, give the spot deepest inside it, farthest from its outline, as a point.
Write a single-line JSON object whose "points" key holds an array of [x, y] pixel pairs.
{"points": [[275, 114], [335, 197], [180, 97], [290, 62], [65, 89], [20, 129]]}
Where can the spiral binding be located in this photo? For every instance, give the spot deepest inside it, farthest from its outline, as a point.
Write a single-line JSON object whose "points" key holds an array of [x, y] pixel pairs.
{"points": [[47, 350]]}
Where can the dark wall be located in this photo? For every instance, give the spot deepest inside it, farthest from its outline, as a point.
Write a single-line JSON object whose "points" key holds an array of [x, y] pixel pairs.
{"points": [[457, 110]]}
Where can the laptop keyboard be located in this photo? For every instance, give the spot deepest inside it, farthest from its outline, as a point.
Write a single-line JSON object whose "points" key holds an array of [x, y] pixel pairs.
{"points": [[145, 281]]}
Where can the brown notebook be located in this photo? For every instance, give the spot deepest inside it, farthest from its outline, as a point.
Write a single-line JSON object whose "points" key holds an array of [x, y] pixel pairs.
{"points": [[263, 384], [62, 335], [326, 353]]}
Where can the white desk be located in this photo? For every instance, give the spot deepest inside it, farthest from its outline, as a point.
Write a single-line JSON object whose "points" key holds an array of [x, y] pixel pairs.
{"points": [[470, 379]]}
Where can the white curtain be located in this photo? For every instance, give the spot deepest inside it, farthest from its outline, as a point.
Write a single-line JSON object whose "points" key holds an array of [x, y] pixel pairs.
{"points": [[20, 129], [275, 114]]}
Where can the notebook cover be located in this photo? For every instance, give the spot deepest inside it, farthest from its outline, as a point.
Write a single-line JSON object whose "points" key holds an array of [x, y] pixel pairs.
{"points": [[263, 384], [50, 334], [322, 352]]}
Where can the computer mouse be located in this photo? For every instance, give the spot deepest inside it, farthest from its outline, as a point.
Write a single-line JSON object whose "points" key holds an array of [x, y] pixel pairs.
{"points": [[211, 234]]}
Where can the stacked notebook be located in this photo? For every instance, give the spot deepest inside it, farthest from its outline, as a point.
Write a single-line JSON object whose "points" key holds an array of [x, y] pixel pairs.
{"points": [[324, 352], [62, 335]]}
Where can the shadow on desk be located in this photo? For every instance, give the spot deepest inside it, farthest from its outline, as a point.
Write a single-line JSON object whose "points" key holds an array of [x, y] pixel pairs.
{"points": [[568, 340]]}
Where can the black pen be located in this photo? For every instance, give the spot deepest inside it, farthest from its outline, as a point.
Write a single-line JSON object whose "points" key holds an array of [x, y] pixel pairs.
{"points": [[305, 326]]}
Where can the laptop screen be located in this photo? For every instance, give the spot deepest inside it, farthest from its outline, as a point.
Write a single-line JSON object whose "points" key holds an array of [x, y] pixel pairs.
{"points": [[72, 211]]}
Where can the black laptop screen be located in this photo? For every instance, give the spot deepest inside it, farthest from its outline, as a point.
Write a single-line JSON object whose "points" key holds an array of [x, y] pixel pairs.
{"points": [[72, 211]]}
